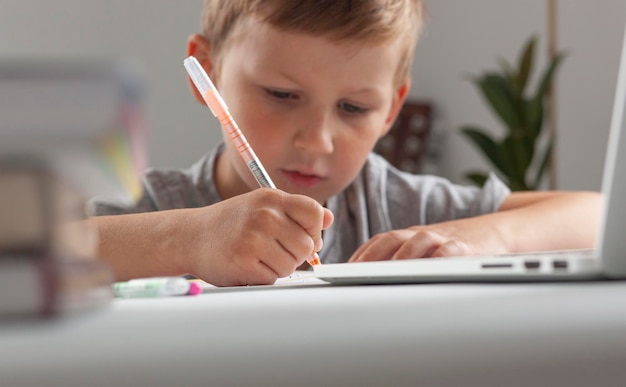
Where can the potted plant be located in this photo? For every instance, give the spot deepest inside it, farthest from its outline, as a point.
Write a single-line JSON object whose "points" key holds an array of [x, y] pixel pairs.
{"points": [[516, 155]]}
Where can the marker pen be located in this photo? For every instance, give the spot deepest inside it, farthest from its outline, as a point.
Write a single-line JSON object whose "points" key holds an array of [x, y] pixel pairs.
{"points": [[156, 287]]}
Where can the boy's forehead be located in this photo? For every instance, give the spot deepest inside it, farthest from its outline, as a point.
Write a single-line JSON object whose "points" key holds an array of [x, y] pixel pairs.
{"points": [[271, 48]]}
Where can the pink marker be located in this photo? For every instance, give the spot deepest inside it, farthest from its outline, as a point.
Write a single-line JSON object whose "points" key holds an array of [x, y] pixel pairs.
{"points": [[219, 109]]}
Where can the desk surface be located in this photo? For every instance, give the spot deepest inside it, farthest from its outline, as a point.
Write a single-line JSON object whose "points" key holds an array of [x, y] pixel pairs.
{"points": [[557, 334]]}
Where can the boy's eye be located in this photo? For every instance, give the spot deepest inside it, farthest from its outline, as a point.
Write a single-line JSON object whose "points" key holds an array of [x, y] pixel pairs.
{"points": [[350, 108], [280, 94]]}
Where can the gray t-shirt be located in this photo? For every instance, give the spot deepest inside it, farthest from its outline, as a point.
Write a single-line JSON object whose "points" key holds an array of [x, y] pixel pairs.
{"points": [[380, 199]]}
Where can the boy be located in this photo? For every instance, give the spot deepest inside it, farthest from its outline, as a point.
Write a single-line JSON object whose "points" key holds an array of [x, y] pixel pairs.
{"points": [[313, 85]]}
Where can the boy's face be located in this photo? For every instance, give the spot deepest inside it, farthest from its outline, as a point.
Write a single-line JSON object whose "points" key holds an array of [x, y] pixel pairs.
{"points": [[312, 110]]}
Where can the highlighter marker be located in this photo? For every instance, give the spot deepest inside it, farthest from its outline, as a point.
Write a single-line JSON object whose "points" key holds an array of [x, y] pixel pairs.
{"points": [[219, 109], [156, 287]]}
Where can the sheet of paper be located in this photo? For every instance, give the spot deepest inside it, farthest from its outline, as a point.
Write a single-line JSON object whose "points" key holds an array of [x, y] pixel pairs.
{"points": [[299, 277]]}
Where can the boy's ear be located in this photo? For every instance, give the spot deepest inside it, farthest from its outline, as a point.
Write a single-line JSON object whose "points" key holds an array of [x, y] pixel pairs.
{"points": [[398, 100], [199, 47]]}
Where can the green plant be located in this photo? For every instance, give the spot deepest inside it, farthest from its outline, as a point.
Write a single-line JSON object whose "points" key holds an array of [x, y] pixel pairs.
{"points": [[523, 114]]}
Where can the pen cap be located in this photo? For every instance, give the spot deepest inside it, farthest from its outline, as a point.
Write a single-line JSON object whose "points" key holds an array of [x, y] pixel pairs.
{"points": [[204, 85], [194, 288]]}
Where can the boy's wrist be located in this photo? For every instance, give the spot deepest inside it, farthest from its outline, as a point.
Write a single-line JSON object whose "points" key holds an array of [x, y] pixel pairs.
{"points": [[173, 240]]}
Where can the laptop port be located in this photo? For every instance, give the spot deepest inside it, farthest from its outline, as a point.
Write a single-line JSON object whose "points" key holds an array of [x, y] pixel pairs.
{"points": [[559, 265], [532, 265], [496, 265]]}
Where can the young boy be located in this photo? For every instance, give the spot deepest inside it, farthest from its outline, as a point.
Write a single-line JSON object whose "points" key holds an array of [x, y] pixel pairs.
{"points": [[313, 85]]}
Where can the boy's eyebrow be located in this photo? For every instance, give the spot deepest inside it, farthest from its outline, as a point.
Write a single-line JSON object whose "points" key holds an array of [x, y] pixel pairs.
{"points": [[373, 94], [364, 90]]}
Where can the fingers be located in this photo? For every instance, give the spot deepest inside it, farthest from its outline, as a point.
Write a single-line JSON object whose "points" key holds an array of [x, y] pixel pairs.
{"points": [[327, 221], [328, 218], [294, 222], [453, 248], [309, 219], [309, 214], [409, 244], [381, 247], [421, 244]]}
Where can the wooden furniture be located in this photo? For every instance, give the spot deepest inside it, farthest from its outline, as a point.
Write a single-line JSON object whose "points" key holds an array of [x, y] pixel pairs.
{"points": [[405, 145]]}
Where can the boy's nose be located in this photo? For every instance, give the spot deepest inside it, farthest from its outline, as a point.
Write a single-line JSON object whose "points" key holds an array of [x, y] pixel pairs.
{"points": [[314, 135]]}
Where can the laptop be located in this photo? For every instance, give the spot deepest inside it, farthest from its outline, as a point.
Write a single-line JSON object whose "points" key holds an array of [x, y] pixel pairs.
{"points": [[606, 261]]}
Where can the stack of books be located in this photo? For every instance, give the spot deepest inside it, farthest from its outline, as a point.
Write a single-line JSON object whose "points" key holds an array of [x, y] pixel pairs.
{"points": [[69, 130]]}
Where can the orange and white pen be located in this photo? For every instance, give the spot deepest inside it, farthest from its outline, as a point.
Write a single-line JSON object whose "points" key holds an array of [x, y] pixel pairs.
{"points": [[219, 109]]}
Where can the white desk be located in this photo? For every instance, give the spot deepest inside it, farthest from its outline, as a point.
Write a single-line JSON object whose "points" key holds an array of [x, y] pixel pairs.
{"points": [[567, 334]]}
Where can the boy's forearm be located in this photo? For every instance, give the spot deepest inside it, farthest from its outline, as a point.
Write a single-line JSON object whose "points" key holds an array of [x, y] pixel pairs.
{"points": [[550, 221], [140, 245]]}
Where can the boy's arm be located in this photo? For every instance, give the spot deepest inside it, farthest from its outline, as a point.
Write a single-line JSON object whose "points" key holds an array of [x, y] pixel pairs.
{"points": [[526, 221], [253, 238], [535, 221], [141, 245]]}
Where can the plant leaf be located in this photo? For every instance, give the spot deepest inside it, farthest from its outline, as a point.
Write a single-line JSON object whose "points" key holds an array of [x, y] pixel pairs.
{"points": [[506, 154], [477, 178], [517, 152], [487, 145], [501, 97], [535, 106], [509, 71], [523, 115], [526, 63], [517, 181], [546, 79], [535, 113], [544, 164]]}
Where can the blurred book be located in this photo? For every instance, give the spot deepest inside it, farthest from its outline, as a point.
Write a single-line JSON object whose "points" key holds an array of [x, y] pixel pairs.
{"points": [[46, 286], [69, 130], [48, 262], [83, 115], [40, 212]]}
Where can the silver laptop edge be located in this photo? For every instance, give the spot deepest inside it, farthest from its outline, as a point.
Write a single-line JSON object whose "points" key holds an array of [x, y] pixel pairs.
{"points": [[611, 237]]}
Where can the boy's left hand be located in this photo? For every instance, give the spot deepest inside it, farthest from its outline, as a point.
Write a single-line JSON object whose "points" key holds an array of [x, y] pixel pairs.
{"points": [[455, 238], [526, 221]]}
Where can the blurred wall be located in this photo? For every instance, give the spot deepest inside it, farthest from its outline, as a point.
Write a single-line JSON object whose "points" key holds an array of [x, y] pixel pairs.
{"points": [[462, 37]]}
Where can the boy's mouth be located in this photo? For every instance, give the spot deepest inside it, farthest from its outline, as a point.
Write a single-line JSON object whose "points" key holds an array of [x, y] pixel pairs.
{"points": [[302, 180]]}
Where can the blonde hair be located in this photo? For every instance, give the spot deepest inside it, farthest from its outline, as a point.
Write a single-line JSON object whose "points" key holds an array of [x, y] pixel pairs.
{"points": [[358, 21]]}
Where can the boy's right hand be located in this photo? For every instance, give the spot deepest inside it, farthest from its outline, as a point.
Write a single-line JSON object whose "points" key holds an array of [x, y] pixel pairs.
{"points": [[252, 239]]}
